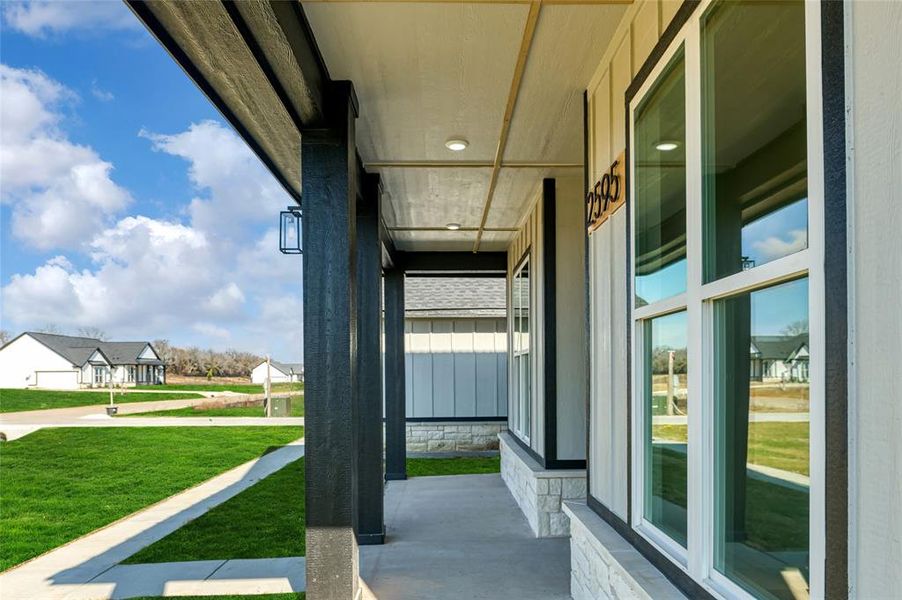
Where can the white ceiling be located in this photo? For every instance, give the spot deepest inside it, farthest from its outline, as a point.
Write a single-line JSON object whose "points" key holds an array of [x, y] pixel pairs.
{"points": [[425, 72]]}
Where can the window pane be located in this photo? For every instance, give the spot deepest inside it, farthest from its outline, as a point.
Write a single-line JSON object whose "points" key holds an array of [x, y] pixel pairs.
{"points": [[762, 449], [665, 424], [523, 390], [660, 180], [754, 160]]}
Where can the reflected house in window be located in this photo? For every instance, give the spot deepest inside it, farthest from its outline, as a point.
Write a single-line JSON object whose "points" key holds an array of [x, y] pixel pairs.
{"points": [[779, 358]]}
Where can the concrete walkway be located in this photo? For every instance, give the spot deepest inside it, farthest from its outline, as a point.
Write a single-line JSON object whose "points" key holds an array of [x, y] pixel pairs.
{"points": [[18, 424], [79, 569], [461, 537]]}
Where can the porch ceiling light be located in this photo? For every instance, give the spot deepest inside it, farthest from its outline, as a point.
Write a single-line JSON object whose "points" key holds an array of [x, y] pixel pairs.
{"points": [[453, 226], [666, 146], [456, 144]]}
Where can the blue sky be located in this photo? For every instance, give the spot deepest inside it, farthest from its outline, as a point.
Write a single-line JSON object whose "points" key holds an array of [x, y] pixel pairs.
{"points": [[128, 204]]}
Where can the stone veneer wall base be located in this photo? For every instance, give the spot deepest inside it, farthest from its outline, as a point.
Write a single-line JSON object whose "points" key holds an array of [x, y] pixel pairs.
{"points": [[539, 491], [604, 566], [453, 436]]}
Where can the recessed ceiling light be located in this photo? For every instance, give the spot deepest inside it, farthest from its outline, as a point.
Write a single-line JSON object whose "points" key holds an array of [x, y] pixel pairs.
{"points": [[666, 146], [453, 226], [457, 144]]}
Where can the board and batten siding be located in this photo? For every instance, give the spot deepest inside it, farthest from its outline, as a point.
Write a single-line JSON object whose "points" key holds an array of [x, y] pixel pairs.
{"points": [[456, 368], [638, 32]]}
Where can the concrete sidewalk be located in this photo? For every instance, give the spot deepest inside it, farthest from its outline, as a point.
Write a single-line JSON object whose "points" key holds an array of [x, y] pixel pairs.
{"points": [[76, 570]]}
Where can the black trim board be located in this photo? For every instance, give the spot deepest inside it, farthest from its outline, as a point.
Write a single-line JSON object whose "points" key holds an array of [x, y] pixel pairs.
{"points": [[549, 318], [836, 332], [453, 263]]}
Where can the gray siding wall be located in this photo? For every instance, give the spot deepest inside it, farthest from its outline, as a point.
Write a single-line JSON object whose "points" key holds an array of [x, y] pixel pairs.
{"points": [[456, 367]]}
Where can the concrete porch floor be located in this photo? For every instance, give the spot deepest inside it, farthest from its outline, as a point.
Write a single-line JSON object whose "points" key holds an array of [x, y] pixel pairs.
{"points": [[461, 537]]}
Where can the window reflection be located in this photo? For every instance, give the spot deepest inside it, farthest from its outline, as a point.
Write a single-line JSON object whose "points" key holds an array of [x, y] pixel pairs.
{"points": [[762, 458], [521, 342], [666, 409], [754, 123], [660, 188]]}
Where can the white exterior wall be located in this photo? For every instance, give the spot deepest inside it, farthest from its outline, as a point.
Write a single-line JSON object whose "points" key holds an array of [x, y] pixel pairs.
{"points": [[874, 93], [21, 359], [631, 45], [258, 375]]}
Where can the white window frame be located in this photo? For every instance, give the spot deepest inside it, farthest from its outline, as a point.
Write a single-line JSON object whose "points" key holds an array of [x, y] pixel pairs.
{"points": [[697, 559], [521, 413]]}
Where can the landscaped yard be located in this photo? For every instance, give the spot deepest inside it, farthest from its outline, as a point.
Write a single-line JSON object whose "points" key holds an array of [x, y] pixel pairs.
{"points": [[15, 400], [241, 388], [778, 445], [58, 484], [267, 519], [297, 410]]}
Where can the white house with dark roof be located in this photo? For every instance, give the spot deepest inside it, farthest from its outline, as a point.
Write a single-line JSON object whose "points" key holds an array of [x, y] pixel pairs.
{"points": [[44, 360], [280, 372]]}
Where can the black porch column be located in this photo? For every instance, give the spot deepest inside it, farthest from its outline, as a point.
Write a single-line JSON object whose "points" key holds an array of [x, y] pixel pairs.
{"points": [[368, 414], [395, 401], [329, 197]]}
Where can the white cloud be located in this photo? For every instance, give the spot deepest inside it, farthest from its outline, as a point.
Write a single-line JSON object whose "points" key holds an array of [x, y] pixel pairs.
{"points": [[61, 193], [207, 281], [40, 18], [100, 93], [775, 247]]}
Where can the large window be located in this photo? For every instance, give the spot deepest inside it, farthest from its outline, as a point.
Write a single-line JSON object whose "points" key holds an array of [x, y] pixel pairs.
{"points": [[726, 223], [522, 374]]}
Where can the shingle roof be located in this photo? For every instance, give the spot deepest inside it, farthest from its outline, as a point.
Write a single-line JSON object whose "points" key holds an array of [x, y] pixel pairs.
{"points": [[288, 368], [455, 297], [778, 347], [78, 350]]}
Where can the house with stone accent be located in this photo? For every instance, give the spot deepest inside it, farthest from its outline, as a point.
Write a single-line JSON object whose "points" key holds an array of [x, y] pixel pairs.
{"points": [[51, 361]]}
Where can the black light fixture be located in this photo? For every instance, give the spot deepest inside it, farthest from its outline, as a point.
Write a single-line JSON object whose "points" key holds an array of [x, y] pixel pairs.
{"points": [[290, 231]]}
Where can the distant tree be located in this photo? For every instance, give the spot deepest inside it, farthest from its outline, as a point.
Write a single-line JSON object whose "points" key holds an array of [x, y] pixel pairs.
{"points": [[4, 337], [92, 332], [50, 328], [796, 328]]}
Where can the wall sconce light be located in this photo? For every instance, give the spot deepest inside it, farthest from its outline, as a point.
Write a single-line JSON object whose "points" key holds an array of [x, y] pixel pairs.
{"points": [[290, 231]]}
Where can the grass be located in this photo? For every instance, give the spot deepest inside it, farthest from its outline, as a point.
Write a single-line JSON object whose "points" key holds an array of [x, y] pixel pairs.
{"points": [[15, 400], [241, 388], [288, 596], [297, 410], [778, 445], [59, 484], [267, 519]]}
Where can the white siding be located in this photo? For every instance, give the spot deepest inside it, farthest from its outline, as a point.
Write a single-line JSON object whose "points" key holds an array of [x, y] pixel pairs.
{"points": [[874, 85], [453, 367], [636, 35], [22, 358], [258, 375]]}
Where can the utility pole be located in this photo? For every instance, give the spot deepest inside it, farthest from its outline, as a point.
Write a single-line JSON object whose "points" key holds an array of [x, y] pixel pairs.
{"points": [[671, 400], [268, 386]]}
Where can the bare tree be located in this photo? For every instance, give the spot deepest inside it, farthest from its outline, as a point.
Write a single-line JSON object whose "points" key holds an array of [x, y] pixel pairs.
{"points": [[92, 332], [796, 328], [5, 337], [50, 328]]}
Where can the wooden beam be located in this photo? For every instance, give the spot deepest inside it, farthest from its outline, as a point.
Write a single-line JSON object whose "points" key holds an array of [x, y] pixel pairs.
{"points": [[525, 44], [580, 2]]}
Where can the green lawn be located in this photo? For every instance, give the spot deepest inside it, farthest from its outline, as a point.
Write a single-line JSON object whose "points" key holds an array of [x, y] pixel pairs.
{"points": [[267, 519], [777, 445], [241, 388], [297, 410], [12, 400], [59, 484], [288, 596]]}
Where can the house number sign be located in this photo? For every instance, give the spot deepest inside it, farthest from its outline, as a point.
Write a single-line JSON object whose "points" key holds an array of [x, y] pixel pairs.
{"points": [[606, 196]]}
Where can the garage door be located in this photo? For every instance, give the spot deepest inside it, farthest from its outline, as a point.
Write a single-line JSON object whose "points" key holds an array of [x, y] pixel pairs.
{"points": [[64, 380]]}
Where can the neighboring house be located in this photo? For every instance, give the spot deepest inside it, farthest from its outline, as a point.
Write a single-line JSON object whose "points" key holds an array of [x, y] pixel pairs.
{"points": [[455, 334], [47, 360], [779, 357], [279, 372]]}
